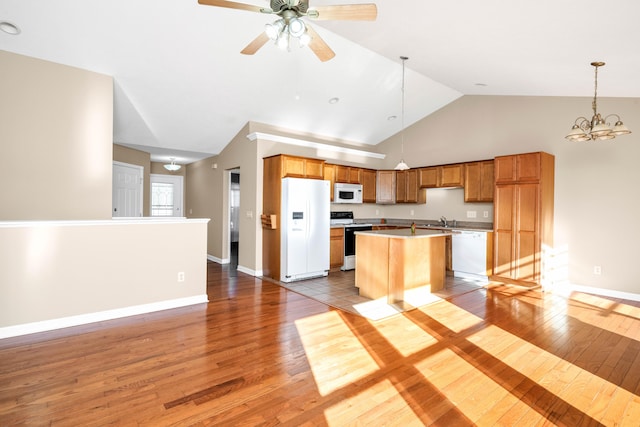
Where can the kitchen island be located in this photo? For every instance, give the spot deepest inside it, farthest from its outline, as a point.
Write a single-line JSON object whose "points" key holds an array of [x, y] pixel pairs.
{"points": [[391, 262]]}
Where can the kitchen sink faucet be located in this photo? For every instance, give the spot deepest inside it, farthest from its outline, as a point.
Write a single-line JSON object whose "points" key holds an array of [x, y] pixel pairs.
{"points": [[443, 221]]}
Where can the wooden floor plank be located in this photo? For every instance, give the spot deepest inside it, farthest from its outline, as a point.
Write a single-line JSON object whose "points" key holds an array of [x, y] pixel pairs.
{"points": [[258, 354]]}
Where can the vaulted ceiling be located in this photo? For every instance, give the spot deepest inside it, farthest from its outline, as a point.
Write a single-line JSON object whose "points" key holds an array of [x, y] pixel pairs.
{"points": [[182, 88]]}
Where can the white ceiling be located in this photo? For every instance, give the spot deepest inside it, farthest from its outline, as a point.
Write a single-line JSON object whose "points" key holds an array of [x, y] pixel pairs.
{"points": [[183, 90]]}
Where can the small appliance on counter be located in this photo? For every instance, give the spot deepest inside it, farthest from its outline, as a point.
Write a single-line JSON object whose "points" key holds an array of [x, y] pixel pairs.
{"points": [[350, 227]]}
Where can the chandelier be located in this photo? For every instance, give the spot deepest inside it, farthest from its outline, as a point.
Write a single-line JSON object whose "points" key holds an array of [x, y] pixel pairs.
{"points": [[288, 26], [596, 128], [402, 166]]}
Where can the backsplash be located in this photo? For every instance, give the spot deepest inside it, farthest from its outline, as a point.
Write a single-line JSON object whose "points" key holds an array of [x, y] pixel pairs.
{"points": [[447, 202]]}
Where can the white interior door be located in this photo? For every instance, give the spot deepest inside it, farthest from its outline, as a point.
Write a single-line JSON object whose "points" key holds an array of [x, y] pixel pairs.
{"points": [[127, 190], [166, 195]]}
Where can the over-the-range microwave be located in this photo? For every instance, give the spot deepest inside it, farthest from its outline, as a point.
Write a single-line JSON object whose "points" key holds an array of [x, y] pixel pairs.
{"points": [[347, 193]]}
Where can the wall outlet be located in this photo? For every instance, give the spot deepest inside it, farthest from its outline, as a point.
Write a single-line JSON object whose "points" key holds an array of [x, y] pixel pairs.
{"points": [[412, 212], [181, 276], [485, 214], [249, 214], [597, 270], [377, 212], [471, 214]]}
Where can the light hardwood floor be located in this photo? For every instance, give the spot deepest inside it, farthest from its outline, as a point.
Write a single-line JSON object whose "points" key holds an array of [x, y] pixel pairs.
{"points": [[259, 354]]}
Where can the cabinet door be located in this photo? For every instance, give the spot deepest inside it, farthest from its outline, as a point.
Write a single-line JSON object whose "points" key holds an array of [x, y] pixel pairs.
{"points": [[355, 175], [314, 168], [293, 167], [451, 176], [329, 174], [386, 187], [527, 256], [342, 174], [504, 212], [428, 177], [412, 190], [478, 181], [336, 244], [401, 186], [368, 186]]}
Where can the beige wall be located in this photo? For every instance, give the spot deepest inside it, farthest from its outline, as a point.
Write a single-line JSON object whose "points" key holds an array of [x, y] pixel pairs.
{"points": [[57, 270], [56, 125]]}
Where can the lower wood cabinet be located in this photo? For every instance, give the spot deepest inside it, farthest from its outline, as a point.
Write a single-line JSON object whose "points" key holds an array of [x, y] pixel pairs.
{"points": [[336, 245]]}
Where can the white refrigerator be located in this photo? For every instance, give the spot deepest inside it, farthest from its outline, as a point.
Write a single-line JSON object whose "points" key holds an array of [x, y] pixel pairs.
{"points": [[305, 229]]}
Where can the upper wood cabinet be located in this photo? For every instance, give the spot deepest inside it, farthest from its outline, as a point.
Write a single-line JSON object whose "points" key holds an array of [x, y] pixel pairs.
{"points": [[329, 173], [428, 177], [386, 187], [441, 176], [518, 168], [301, 167], [479, 181], [348, 174], [407, 190], [368, 186], [452, 175]]}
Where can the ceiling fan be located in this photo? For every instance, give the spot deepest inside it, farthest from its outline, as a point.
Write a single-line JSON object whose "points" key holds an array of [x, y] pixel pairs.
{"points": [[290, 25]]}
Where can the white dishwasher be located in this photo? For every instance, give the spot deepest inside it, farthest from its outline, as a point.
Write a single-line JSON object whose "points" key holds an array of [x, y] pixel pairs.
{"points": [[469, 254]]}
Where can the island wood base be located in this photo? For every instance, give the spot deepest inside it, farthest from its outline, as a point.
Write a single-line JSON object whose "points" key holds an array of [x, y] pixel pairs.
{"points": [[387, 265]]}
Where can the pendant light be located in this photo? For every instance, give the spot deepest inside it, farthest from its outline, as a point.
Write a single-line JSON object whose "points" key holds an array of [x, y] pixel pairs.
{"points": [[402, 166]]}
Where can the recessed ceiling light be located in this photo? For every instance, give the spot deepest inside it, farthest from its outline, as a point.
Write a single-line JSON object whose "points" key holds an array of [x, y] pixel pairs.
{"points": [[391, 118], [9, 28], [334, 100]]}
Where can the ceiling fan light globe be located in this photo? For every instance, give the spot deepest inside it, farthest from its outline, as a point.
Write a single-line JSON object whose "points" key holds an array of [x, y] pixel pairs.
{"points": [[271, 31], [283, 41], [296, 27], [305, 39]]}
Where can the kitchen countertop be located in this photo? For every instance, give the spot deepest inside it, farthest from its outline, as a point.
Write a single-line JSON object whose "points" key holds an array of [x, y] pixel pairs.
{"points": [[405, 233], [430, 225]]}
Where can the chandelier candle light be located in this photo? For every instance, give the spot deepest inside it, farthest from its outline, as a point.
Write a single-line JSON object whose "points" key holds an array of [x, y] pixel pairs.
{"points": [[402, 166], [598, 128]]}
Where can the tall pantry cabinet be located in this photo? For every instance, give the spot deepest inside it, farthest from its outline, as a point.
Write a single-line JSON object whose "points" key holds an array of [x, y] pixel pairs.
{"points": [[523, 217]]}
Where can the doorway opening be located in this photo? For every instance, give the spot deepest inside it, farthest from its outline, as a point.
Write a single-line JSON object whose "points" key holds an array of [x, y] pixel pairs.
{"points": [[234, 217]]}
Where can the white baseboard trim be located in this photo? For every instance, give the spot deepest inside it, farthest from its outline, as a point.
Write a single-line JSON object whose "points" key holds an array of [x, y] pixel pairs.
{"points": [[216, 259], [568, 288], [83, 319], [241, 268]]}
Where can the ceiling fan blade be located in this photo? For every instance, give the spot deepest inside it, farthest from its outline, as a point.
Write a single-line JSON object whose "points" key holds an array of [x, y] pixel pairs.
{"points": [[346, 12], [256, 44], [235, 5], [319, 46]]}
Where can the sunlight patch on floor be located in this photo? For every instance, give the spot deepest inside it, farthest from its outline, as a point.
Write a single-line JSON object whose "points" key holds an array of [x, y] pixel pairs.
{"points": [[336, 356], [381, 401]]}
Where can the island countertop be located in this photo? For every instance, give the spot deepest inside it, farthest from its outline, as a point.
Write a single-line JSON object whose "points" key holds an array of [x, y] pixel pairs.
{"points": [[405, 233]]}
